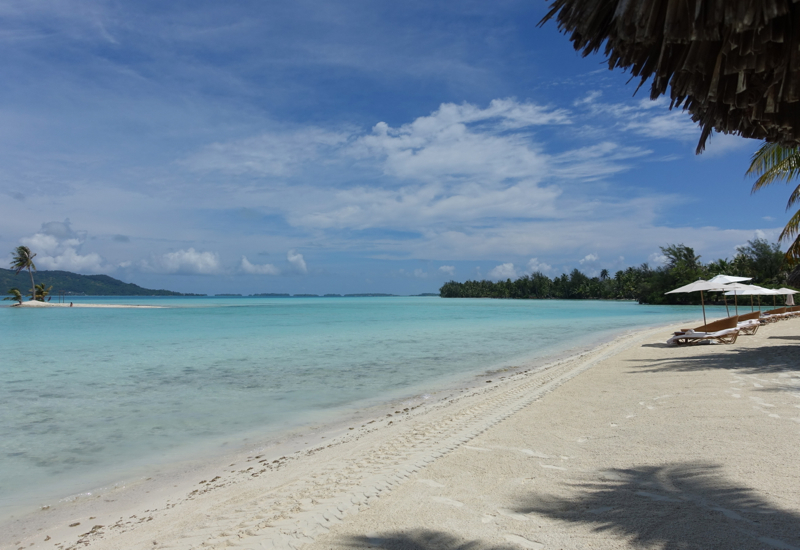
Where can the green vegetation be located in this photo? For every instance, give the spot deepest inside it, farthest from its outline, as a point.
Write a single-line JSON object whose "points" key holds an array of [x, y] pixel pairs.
{"points": [[42, 292], [83, 285], [774, 162], [758, 259], [22, 258], [14, 295]]}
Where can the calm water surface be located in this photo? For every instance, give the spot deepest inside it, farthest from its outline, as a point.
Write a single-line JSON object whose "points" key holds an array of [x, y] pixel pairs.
{"points": [[89, 395]]}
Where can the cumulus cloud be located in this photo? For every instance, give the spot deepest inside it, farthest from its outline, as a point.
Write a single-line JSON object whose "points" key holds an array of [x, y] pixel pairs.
{"points": [[420, 274], [535, 265], [657, 258], [57, 246], [503, 271], [589, 258], [256, 269], [297, 262], [184, 262], [448, 269]]}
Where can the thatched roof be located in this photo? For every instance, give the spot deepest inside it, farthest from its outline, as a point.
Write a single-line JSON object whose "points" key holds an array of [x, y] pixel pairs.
{"points": [[733, 64]]}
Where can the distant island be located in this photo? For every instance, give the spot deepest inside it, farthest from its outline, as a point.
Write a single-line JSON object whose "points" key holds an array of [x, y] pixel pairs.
{"points": [[72, 284]]}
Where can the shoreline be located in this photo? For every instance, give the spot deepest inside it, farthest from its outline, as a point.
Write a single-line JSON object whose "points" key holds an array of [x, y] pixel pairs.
{"points": [[181, 482], [36, 304]]}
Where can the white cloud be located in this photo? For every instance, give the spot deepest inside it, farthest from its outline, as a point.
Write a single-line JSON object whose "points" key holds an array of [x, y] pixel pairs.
{"points": [[448, 269], [589, 258], [185, 262], [57, 247], [461, 142], [503, 271], [278, 154], [675, 124], [418, 273], [657, 258], [297, 262], [255, 269], [535, 265]]}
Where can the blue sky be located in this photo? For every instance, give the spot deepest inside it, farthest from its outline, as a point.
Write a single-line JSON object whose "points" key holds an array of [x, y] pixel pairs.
{"points": [[339, 147]]}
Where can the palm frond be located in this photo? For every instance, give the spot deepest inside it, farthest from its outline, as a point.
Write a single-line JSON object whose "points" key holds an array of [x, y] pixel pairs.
{"points": [[792, 227], [793, 253], [793, 198], [774, 162]]}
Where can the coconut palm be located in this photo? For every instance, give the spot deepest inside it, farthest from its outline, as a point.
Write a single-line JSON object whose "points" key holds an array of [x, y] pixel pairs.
{"points": [[23, 259], [42, 292], [14, 295], [774, 162]]}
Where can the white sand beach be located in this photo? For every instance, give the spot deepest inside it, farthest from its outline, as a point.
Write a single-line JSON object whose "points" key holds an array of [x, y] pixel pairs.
{"points": [[631, 445]]}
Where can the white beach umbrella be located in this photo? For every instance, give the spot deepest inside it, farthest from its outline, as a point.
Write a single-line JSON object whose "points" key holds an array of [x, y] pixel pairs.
{"points": [[734, 289], [727, 279], [750, 290], [789, 295], [699, 286]]}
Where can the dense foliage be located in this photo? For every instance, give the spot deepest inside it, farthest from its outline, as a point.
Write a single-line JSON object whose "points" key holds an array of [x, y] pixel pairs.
{"points": [[758, 259], [82, 285]]}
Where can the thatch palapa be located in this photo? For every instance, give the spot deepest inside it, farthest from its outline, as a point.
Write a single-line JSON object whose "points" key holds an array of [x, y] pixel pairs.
{"points": [[734, 65]]}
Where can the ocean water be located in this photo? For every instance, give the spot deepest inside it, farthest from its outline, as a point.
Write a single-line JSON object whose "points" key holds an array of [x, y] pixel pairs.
{"points": [[89, 396]]}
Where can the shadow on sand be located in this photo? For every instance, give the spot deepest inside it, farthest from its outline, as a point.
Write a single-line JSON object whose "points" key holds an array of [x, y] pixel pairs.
{"points": [[421, 540], [780, 358], [680, 506]]}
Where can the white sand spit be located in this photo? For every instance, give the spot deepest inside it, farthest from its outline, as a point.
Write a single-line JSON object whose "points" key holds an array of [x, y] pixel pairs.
{"points": [[37, 304], [632, 445]]}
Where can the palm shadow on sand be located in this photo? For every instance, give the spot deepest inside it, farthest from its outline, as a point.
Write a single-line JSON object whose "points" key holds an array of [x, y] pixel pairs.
{"points": [[770, 359], [422, 539], [679, 506]]}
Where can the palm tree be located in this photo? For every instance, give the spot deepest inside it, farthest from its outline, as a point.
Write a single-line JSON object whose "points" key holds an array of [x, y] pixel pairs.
{"points": [[42, 292], [14, 295], [773, 162], [23, 259]]}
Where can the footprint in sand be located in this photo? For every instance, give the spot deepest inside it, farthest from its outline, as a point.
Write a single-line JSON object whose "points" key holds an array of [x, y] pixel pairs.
{"points": [[512, 515], [448, 501], [524, 543], [430, 483], [534, 453]]}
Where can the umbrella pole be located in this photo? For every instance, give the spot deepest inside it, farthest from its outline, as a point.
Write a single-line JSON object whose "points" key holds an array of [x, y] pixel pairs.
{"points": [[759, 304], [725, 298], [704, 307], [751, 304], [736, 303]]}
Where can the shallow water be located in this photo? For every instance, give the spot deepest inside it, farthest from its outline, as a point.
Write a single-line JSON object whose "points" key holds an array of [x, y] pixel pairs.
{"points": [[89, 395]]}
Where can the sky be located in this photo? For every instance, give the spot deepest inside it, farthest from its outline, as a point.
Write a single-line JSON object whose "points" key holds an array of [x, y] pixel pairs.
{"points": [[312, 146]]}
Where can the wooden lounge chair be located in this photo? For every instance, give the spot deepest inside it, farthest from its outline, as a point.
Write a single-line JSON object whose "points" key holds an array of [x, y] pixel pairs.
{"points": [[774, 315], [748, 324], [724, 331]]}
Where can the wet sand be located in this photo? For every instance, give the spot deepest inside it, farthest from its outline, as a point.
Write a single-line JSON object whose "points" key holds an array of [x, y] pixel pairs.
{"points": [[631, 445]]}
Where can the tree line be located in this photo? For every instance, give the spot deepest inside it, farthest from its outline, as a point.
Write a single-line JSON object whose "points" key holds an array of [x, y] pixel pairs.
{"points": [[759, 259]]}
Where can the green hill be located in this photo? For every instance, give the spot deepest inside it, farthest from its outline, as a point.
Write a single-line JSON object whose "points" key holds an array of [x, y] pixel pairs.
{"points": [[74, 284]]}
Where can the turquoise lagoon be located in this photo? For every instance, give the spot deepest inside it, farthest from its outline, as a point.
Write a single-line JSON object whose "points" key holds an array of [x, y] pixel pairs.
{"points": [[93, 396]]}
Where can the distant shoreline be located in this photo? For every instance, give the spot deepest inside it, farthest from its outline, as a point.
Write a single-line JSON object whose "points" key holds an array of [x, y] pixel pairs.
{"points": [[37, 304]]}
